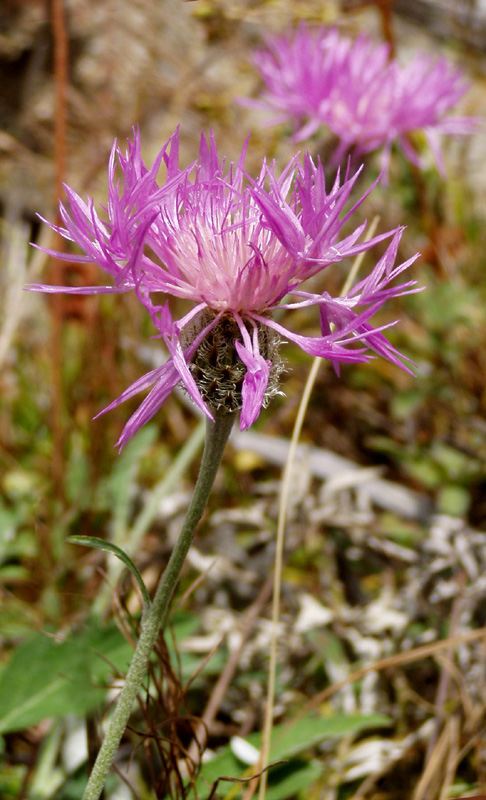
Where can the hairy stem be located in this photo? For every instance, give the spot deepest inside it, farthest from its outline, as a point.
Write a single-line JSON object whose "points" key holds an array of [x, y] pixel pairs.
{"points": [[155, 615]]}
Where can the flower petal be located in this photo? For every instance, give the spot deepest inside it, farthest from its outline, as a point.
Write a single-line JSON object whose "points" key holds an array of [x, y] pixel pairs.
{"points": [[152, 403], [255, 383]]}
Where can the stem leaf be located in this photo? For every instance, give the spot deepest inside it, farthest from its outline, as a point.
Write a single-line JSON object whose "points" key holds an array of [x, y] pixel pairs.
{"points": [[102, 544]]}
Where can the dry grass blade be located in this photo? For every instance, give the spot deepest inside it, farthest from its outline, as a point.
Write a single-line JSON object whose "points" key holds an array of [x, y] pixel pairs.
{"points": [[424, 651], [428, 785], [451, 763]]}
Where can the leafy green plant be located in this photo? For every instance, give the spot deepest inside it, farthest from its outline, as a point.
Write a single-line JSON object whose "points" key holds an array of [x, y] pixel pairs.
{"points": [[289, 743]]}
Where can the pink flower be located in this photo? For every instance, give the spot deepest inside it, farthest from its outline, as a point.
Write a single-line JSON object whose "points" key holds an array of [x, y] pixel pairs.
{"points": [[238, 249], [320, 78]]}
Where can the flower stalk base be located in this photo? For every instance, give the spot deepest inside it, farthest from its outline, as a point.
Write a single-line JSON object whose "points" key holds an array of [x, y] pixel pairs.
{"points": [[154, 617]]}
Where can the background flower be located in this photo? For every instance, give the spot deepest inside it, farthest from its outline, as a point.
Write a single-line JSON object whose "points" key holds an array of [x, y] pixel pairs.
{"points": [[320, 78]]}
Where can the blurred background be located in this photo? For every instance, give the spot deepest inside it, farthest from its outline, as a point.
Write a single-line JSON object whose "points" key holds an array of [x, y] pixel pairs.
{"points": [[385, 550]]}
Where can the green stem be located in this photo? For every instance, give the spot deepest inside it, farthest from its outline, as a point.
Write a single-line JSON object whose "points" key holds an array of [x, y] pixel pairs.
{"points": [[155, 616]]}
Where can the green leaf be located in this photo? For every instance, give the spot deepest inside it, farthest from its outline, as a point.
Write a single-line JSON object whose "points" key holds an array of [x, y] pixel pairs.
{"points": [[289, 779], [291, 740], [288, 741], [48, 776], [102, 544], [116, 490], [179, 465], [76, 475], [46, 678], [453, 500]]}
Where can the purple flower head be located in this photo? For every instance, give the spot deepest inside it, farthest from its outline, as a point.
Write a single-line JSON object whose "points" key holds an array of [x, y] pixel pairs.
{"points": [[239, 249], [320, 78]]}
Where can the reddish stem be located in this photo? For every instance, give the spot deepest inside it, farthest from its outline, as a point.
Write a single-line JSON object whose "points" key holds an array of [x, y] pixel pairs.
{"points": [[60, 123]]}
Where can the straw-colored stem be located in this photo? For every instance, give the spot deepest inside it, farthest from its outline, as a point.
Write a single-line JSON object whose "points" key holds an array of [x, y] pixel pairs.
{"points": [[282, 519]]}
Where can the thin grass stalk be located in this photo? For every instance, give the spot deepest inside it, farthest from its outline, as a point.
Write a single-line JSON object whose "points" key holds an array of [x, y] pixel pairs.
{"points": [[282, 519]]}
